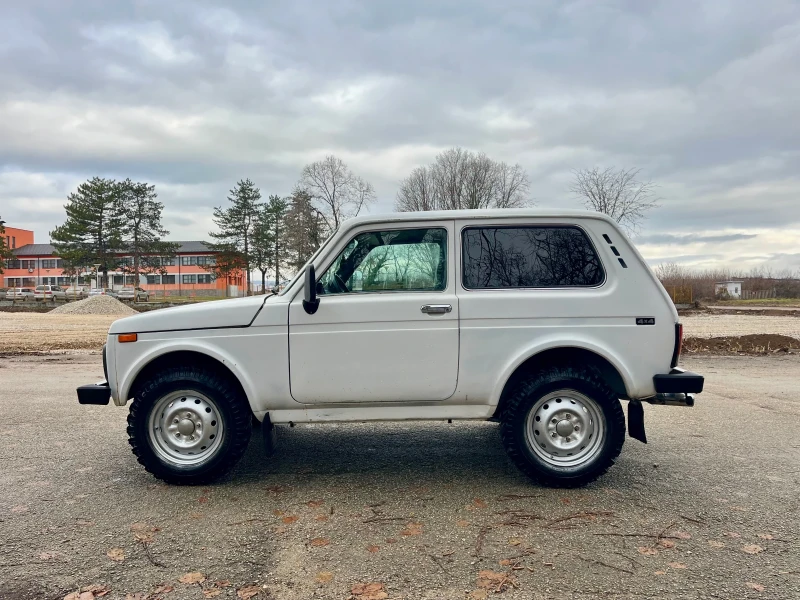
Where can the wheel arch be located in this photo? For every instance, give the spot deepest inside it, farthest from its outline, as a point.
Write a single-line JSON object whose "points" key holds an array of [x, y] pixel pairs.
{"points": [[171, 357], [609, 366]]}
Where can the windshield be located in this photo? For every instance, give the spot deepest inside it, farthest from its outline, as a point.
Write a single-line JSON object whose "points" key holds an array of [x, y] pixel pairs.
{"points": [[302, 269]]}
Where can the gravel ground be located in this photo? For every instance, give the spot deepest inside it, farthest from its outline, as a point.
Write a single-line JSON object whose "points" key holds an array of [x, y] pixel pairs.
{"points": [[418, 509], [37, 332], [96, 305], [715, 325]]}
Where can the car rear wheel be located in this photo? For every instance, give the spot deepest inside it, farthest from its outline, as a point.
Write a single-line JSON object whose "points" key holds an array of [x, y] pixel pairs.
{"points": [[563, 427], [189, 425]]}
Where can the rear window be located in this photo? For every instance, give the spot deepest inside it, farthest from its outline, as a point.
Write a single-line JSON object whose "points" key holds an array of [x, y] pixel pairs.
{"points": [[39, 288], [529, 257]]}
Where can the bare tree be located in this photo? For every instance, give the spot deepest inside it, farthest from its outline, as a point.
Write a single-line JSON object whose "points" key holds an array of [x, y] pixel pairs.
{"points": [[337, 192], [460, 179], [616, 193]]}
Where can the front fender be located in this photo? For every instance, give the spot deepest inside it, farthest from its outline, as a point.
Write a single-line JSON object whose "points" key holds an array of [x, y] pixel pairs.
{"points": [[148, 350], [544, 344]]}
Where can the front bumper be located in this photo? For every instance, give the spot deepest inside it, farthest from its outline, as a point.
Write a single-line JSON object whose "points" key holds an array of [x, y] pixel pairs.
{"points": [[678, 381], [98, 393]]}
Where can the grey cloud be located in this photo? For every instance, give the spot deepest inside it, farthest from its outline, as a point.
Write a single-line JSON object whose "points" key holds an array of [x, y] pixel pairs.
{"points": [[193, 95], [671, 239]]}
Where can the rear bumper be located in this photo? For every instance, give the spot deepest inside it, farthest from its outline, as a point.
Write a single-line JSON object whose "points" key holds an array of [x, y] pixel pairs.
{"points": [[678, 381], [98, 393]]}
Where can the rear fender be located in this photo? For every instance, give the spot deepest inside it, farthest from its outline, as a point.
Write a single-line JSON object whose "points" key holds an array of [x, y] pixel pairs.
{"points": [[552, 343]]}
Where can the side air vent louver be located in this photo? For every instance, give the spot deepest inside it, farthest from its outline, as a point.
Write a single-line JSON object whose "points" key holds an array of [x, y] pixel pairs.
{"points": [[614, 250]]}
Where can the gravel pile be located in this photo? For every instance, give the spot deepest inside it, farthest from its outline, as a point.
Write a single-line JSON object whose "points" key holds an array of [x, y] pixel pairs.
{"points": [[96, 305]]}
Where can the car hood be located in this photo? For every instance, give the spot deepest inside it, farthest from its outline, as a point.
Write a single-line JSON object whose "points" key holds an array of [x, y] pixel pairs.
{"points": [[236, 312]]}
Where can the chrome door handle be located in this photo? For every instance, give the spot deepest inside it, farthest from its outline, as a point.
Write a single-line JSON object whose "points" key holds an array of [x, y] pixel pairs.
{"points": [[436, 309]]}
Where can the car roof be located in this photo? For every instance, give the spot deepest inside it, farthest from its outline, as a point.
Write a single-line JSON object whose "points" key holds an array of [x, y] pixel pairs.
{"points": [[482, 213]]}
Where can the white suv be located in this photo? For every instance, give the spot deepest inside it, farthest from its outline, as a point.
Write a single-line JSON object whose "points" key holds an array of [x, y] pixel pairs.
{"points": [[540, 320]]}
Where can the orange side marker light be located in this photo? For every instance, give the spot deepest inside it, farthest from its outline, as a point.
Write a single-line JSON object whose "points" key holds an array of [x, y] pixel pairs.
{"points": [[127, 337]]}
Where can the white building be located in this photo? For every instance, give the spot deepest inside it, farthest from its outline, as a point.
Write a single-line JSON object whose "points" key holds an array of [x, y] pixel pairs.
{"points": [[731, 289]]}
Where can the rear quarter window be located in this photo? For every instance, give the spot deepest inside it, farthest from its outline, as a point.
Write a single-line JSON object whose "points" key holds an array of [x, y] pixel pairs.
{"points": [[529, 257]]}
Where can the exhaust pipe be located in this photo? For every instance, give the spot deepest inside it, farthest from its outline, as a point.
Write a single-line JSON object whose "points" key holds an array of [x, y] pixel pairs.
{"points": [[671, 400]]}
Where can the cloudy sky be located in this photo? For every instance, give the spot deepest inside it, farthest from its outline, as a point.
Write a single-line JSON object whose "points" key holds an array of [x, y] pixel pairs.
{"points": [[703, 97]]}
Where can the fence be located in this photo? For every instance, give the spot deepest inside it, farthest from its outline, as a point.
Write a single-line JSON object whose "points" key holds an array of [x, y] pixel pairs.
{"points": [[758, 294], [680, 294]]}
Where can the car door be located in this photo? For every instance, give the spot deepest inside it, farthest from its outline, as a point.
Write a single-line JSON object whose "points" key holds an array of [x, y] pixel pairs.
{"points": [[387, 324]]}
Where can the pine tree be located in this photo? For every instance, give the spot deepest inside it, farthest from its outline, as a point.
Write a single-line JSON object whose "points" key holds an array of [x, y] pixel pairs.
{"points": [[263, 245], [93, 229], [5, 251], [142, 230], [235, 224], [276, 211]]}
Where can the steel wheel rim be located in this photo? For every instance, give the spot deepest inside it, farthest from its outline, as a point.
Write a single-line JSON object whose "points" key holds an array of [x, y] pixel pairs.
{"points": [[565, 429], [185, 427]]}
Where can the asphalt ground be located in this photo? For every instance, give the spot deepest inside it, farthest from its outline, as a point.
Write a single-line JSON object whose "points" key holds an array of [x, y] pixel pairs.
{"points": [[708, 509]]}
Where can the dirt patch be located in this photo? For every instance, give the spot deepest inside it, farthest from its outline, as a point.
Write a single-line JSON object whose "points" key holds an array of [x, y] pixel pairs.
{"points": [[33, 333], [759, 343], [714, 324]]}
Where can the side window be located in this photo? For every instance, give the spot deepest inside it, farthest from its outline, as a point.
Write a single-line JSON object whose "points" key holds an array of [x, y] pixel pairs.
{"points": [[411, 260], [529, 257]]}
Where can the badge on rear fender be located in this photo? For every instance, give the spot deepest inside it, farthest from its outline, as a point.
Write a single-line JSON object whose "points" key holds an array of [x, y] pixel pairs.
{"points": [[645, 320]]}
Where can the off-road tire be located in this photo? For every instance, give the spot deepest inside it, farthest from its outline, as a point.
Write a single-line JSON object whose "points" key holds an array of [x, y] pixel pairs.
{"points": [[584, 380], [233, 408]]}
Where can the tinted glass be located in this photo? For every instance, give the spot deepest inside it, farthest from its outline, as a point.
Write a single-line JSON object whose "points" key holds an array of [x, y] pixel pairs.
{"points": [[529, 257], [396, 260]]}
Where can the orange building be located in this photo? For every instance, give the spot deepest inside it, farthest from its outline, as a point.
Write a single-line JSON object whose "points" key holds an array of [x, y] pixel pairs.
{"points": [[17, 238], [37, 264]]}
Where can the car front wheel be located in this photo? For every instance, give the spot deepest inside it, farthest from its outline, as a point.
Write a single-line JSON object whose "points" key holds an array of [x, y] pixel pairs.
{"points": [[189, 425], [563, 427]]}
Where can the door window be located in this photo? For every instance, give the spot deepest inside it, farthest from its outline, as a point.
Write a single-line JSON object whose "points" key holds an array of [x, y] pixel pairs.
{"points": [[529, 257], [411, 260]]}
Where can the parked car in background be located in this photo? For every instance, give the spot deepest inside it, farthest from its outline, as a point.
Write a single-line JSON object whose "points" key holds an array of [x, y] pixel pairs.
{"points": [[129, 292], [102, 292], [51, 293], [19, 294], [77, 292]]}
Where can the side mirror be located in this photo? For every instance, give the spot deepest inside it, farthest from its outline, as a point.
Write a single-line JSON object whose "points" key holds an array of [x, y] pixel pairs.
{"points": [[310, 302]]}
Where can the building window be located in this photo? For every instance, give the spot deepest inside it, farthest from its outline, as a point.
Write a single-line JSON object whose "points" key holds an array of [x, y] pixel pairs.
{"points": [[206, 260], [13, 263], [153, 279], [529, 257], [189, 279], [188, 260], [13, 241], [168, 279], [49, 263], [205, 278]]}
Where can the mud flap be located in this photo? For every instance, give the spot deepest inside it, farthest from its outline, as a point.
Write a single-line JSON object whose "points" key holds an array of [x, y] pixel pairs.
{"points": [[636, 421], [270, 436]]}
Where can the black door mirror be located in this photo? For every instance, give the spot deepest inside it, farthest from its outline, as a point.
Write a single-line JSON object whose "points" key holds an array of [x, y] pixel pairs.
{"points": [[310, 302]]}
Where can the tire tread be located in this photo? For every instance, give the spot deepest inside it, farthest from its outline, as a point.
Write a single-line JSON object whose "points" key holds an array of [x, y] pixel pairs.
{"points": [[513, 417], [238, 430]]}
